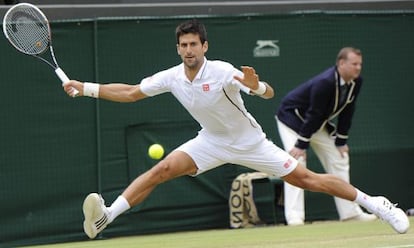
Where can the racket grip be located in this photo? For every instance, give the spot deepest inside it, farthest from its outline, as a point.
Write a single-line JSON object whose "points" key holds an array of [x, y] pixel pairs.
{"points": [[62, 76]]}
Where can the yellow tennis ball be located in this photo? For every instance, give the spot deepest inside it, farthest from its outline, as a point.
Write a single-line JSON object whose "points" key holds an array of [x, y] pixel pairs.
{"points": [[156, 151]]}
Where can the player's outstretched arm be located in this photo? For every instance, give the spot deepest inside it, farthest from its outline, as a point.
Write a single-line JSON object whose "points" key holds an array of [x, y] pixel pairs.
{"points": [[116, 92]]}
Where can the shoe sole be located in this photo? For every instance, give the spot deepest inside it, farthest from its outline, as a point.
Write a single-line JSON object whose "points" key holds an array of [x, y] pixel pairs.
{"points": [[89, 206], [363, 218]]}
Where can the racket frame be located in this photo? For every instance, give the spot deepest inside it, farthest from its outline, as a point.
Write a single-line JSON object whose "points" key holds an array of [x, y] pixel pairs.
{"points": [[59, 72]]}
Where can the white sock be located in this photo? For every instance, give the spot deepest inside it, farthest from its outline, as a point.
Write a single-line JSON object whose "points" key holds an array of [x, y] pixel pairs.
{"points": [[365, 201], [119, 206]]}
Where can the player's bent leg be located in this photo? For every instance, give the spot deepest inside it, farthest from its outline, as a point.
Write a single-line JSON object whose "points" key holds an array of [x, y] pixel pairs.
{"points": [[98, 216], [176, 164]]}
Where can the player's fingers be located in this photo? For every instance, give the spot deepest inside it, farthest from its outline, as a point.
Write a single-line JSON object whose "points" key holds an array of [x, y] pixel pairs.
{"points": [[343, 150], [71, 92], [302, 159], [297, 153], [248, 69], [70, 88], [238, 78], [293, 154], [67, 84]]}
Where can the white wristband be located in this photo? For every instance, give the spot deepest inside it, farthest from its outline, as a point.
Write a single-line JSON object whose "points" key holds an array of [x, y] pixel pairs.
{"points": [[261, 89], [91, 89]]}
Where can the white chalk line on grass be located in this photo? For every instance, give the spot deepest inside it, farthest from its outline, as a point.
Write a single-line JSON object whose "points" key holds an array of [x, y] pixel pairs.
{"points": [[397, 246]]}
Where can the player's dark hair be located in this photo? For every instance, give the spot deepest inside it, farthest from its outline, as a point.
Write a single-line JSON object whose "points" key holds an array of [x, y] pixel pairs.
{"points": [[191, 27], [343, 53]]}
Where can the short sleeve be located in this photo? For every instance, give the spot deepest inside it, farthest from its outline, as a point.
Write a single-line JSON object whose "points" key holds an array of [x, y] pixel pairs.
{"points": [[155, 84]]}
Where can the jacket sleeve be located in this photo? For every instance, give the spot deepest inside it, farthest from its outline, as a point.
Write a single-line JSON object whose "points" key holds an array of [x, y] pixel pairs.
{"points": [[317, 112]]}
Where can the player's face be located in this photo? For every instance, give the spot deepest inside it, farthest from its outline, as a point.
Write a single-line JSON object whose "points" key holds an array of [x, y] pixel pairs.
{"points": [[350, 68], [192, 51]]}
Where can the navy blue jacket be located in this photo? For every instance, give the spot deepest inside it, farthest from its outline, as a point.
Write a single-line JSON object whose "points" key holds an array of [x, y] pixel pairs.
{"points": [[315, 104]]}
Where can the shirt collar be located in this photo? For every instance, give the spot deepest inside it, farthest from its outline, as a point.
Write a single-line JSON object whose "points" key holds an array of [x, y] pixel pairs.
{"points": [[199, 73], [202, 68], [342, 82]]}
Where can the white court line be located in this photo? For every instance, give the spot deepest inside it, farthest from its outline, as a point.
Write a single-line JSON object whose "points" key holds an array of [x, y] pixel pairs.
{"points": [[397, 246]]}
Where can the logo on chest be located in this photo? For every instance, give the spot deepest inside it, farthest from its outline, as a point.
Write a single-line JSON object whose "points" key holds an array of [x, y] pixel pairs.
{"points": [[206, 87]]}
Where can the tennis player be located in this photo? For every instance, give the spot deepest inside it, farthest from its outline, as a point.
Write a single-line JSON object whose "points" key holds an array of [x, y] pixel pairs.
{"points": [[210, 92]]}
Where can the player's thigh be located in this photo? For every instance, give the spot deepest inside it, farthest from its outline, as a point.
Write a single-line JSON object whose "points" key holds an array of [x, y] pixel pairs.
{"points": [[205, 155], [177, 163]]}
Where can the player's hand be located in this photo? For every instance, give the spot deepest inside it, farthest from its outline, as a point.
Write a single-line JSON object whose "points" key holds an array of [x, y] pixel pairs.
{"points": [[343, 150], [69, 87], [297, 153], [250, 78]]}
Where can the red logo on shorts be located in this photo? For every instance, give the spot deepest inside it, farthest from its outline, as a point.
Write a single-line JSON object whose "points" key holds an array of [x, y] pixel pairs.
{"points": [[287, 164], [206, 87]]}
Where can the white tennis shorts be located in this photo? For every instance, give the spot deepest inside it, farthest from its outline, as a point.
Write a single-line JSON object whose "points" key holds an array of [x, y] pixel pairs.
{"points": [[265, 156]]}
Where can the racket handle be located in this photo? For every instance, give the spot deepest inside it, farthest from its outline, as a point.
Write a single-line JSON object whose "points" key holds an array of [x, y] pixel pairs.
{"points": [[62, 76]]}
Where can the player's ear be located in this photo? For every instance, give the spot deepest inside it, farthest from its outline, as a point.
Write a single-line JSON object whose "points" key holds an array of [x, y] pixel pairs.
{"points": [[178, 49], [205, 46]]}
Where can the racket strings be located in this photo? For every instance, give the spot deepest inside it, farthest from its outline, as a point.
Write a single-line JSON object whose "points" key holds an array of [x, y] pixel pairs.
{"points": [[28, 31]]}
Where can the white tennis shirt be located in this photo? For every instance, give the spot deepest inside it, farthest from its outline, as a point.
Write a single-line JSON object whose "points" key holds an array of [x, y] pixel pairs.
{"points": [[213, 99]]}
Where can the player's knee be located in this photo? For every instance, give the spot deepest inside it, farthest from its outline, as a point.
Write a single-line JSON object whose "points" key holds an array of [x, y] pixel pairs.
{"points": [[302, 178], [162, 171], [307, 184], [311, 182]]}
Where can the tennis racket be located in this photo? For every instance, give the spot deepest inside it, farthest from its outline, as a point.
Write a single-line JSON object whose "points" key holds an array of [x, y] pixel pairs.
{"points": [[28, 30]]}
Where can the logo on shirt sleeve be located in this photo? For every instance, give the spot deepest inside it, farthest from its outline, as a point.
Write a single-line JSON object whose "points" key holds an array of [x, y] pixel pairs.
{"points": [[288, 163]]}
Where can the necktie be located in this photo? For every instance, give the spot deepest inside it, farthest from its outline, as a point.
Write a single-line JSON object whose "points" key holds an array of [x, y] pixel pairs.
{"points": [[343, 93]]}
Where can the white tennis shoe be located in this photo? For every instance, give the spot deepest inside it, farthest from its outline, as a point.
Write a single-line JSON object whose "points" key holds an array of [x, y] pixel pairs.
{"points": [[391, 214], [96, 215]]}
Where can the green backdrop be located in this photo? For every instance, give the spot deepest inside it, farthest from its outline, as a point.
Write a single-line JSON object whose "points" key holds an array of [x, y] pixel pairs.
{"points": [[55, 149]]}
